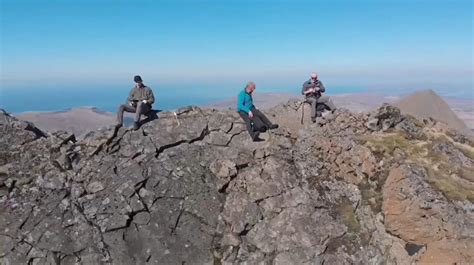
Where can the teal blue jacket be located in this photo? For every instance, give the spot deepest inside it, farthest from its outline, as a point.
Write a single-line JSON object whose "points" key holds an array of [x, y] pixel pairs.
{"points": [[244, 102]]}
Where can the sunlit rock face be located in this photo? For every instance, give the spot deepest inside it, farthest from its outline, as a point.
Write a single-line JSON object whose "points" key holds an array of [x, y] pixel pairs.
{"points": [[192, 188]]}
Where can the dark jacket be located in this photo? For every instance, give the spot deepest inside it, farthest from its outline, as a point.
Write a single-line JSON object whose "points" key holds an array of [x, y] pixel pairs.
{"points": [[310, 84], [141, 93]]}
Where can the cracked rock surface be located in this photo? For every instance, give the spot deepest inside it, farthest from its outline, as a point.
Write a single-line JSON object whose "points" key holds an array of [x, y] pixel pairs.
{"points": [[191, 188]]}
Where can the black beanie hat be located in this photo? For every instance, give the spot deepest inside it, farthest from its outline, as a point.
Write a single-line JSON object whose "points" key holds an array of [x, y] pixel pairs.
{"points": [[137, 79]]}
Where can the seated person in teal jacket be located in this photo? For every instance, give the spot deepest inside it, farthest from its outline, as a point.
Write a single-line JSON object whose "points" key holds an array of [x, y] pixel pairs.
{"points": [[255, 120]]}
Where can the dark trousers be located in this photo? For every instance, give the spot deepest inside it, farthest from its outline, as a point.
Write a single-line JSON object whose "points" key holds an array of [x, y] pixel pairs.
{"points": [[259, 122], [141, 108], [314, 101]]}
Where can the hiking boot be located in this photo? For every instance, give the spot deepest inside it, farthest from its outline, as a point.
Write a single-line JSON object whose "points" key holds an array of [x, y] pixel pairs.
{"points": [[136, 126], [118, 126], [256, 137], [273, 126]]}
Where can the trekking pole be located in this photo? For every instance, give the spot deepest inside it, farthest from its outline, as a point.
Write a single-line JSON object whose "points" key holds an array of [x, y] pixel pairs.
{"points": [[302, 111]]}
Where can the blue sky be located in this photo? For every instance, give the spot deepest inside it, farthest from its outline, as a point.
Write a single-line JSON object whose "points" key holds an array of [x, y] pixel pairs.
{"points": [[374, 44]]}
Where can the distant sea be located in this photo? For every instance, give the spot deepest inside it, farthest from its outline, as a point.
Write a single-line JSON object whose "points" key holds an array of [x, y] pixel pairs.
{"points": [[60, 98]]}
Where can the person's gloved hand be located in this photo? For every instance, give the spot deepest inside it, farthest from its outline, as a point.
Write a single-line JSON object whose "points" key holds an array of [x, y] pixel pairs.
{"points": [[250, 114], [144, 101]]}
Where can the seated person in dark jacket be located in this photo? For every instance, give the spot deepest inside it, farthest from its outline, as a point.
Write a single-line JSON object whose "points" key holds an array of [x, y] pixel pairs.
{"points": [[139, 101], [313, 89], [255, 120]]}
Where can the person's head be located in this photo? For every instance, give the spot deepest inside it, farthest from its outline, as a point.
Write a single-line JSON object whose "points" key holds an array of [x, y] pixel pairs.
{"points": [[250, 87], [138, 80], [314, 76]]}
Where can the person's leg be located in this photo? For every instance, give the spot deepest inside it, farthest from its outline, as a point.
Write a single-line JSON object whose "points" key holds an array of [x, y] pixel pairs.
{"points": [[327, 101], [313, 101], [248, 123], [120, 111], [259, 124], [258, 114], [142, 108], [320, 108]]}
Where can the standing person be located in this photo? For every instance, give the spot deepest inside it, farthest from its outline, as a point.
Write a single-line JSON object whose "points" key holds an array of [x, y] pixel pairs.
{"points": [[313, 89], [139, 101], [255, 120]]}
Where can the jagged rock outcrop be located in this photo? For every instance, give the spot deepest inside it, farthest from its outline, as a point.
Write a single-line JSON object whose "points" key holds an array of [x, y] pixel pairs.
{"points": [[191, 188]]}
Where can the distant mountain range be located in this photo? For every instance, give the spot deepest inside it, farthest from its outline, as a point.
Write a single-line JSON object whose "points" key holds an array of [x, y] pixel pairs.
{"points": [[78, 121], [457, 113]]}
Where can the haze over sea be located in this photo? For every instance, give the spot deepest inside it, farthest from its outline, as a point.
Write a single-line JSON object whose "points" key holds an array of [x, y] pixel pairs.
{"points": [[172, 96], [108, 97]]}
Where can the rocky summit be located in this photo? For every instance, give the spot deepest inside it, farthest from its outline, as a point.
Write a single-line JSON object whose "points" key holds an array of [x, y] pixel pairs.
{"points": [[191, 188]]}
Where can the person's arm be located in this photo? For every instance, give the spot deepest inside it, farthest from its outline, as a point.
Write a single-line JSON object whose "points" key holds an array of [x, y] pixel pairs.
{"points": [[241, 103], [321, 87], [307, 88], [150, 98], [130, 95]]}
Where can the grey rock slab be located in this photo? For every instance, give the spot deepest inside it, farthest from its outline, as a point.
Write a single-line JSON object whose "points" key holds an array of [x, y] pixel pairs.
{"points": [[240, 212], [94, 187], [141, 218], [6, 245], [224, 170]]}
